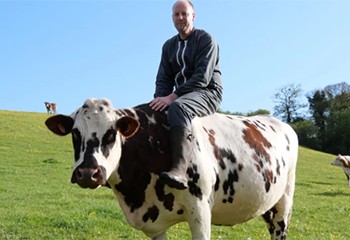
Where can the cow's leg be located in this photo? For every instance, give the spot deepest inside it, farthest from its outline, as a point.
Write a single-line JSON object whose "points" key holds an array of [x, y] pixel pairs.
{"points": [[200, 220], [348, 177], [277, 218]]}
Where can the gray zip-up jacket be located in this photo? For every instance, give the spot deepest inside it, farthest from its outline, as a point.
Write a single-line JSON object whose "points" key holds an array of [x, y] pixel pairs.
{"points": [[189, 65]]}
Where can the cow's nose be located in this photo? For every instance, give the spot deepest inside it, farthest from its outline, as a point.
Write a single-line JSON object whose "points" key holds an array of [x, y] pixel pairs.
{"points": [[89, 177]]}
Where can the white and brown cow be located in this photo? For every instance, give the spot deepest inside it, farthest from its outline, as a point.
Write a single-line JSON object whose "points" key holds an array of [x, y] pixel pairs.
{"points": [[241, 168], [343, 162], [50, 107]]}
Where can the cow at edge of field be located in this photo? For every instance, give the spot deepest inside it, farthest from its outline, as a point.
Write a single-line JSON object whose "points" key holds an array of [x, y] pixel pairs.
{"points": [[343, 162], [241, 168], [50, 107]]}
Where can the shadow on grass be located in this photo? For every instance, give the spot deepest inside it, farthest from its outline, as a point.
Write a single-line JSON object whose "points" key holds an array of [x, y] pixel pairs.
{"points": [[322, 183], [333, 194], [50, 160], [310, 184]]}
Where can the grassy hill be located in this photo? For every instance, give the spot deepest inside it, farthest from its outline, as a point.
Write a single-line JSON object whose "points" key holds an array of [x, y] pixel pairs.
{"points": [[37, 200]]}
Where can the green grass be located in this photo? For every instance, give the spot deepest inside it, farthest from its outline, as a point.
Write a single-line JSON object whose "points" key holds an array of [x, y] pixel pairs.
{"points": [[37, 200]]}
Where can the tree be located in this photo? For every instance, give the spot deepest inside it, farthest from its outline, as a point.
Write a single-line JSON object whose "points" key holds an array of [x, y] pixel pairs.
{"points": [[337, 89], [338, 125], [259, 112], [289, 103], [231, 113], [319, 107], [338, 132], [307, 134]]}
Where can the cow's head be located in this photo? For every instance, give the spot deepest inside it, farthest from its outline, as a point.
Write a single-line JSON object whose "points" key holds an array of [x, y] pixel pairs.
{"points": [[97, 134], [341, 161]]}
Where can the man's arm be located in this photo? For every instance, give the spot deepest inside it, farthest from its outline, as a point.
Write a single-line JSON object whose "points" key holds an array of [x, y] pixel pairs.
{"points": [[165, 79]]}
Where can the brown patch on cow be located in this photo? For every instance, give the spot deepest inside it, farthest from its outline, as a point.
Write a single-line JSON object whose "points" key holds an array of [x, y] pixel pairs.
{"points": [[278, 167], [240, 167], [211, 138], [254, 138], [219, 153], [152, 213], [346, 163], [268, 179], [257, 167]]}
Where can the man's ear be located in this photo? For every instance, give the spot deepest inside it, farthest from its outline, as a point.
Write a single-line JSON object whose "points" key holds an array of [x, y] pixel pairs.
{"points": [[60, 124], [127, 126]]}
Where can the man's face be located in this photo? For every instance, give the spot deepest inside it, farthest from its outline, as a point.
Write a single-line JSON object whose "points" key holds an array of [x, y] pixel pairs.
{"points": [[183, 17]]}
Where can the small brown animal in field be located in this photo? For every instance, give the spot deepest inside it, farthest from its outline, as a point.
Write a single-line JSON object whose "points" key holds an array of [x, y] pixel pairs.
{"points": [[344, 162]]}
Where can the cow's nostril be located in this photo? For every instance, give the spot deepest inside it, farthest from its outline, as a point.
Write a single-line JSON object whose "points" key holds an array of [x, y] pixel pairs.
{"points": [[79, 174], [96, 174]]}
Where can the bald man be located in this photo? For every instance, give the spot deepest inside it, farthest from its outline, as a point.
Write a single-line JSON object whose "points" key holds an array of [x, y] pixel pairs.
{"points": [[188, 84]]}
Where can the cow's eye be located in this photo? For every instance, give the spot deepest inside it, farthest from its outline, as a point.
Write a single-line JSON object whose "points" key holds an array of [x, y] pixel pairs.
{"points": [[75, 135], [109, 137]]}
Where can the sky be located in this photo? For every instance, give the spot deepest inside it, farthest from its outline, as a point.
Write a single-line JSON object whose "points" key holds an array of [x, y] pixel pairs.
{"points": [[66, 51]]}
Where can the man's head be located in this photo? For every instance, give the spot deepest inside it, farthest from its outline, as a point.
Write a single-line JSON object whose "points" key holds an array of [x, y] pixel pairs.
{"points": [[183, 17]]}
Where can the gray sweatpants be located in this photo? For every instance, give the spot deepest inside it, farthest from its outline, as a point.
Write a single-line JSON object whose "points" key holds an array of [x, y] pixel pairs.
{"points": [[188, 106]]}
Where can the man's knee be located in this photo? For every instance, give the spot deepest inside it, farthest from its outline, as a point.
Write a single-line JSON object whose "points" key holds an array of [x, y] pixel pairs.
{"points": [[175, 108], [177, 115]]}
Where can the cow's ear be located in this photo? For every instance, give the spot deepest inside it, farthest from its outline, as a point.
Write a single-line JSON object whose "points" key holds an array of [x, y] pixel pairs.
{"points": [[127, 126], [60, 124]]}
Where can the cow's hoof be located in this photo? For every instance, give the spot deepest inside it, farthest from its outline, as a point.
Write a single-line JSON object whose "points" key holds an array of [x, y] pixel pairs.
{"points": [[173, 181]]}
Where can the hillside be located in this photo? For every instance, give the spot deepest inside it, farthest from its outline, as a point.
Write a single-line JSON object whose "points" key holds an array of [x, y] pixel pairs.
{"points": [[37, 200]]}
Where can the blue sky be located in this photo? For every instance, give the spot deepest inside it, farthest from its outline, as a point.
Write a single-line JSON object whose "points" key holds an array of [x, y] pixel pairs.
{"points": [[68, 51]]}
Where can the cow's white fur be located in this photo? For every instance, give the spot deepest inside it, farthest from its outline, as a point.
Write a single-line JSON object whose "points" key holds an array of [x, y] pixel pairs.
{"points": [[250, 198]]}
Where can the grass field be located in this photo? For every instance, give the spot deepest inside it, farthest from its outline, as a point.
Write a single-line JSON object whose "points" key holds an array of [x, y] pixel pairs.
{"points": [[37, 200]]}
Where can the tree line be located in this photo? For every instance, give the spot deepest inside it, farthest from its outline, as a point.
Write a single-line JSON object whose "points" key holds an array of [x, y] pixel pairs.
{"points": [[322, 123], [326, 124]]}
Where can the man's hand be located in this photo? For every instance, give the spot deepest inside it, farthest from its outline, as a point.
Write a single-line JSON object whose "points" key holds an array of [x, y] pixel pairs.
{"points": [[161, 103]]}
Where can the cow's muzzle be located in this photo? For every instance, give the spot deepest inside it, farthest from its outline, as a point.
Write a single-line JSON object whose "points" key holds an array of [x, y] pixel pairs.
{"points": [[89, 177]]}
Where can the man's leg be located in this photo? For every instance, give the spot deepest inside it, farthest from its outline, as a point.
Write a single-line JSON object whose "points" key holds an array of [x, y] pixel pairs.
{"points": [[181, 141], [180, 114]]}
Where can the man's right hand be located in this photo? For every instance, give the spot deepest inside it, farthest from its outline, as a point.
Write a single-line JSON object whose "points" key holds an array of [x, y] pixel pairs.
{"points": [[161, 103]]}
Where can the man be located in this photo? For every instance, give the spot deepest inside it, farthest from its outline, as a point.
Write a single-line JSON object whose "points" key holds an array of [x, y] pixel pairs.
{"points": [[188, 84]]}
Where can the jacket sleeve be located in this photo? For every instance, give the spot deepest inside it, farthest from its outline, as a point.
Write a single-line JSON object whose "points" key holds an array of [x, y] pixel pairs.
{"points": [[165, 77], [206, 59]]}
